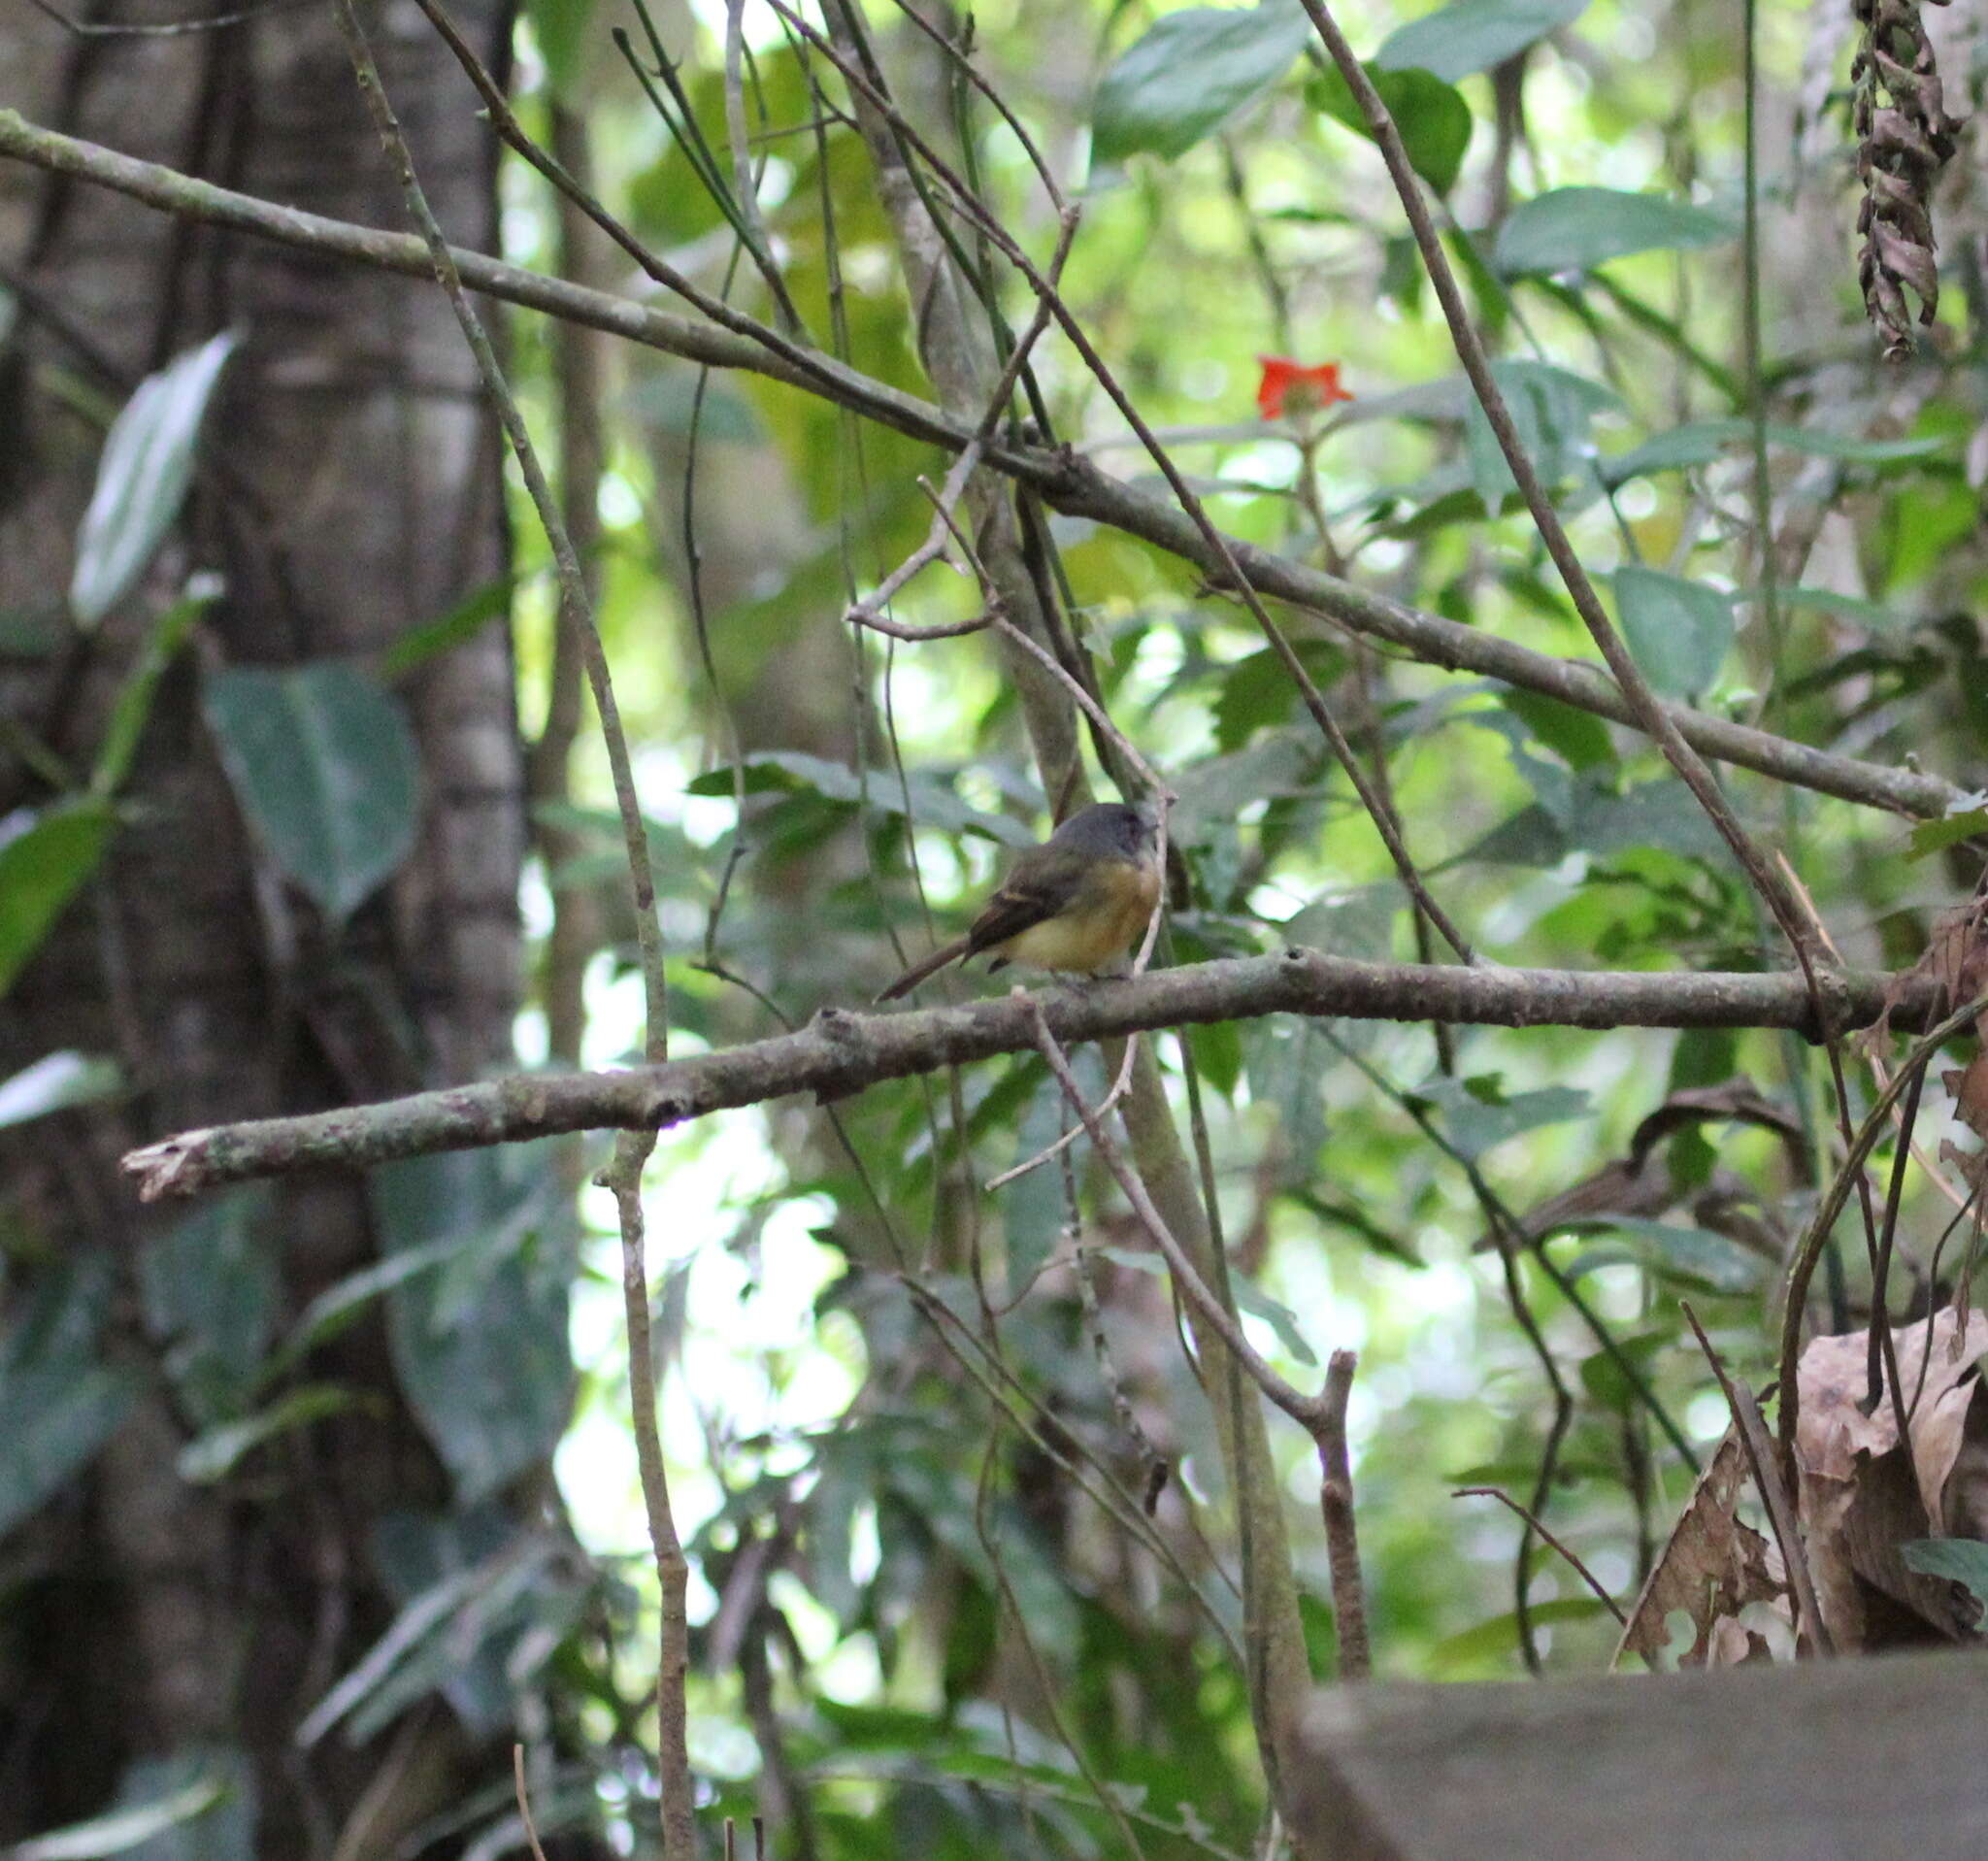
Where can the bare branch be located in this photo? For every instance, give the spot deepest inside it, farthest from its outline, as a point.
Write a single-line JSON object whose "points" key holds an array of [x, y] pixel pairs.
{"points": [[839, 1053]]}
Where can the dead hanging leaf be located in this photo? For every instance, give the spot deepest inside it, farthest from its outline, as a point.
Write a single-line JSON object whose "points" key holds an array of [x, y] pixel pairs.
{"points": [[1640, 1185], [1904, 137], [1955, 963], [1734, 1644], [1713, 1566], [1864, 1493]]}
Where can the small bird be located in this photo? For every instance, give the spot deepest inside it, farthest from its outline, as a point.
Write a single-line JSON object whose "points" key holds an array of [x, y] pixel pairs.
{"points": [[1071, 904]]}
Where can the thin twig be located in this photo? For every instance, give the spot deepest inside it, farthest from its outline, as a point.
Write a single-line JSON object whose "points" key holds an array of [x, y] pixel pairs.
{"points": [[1808, 1249], [1336, 1503], [1539, 1531], [1773, 1489], [524, 1803], [624, 1175]]}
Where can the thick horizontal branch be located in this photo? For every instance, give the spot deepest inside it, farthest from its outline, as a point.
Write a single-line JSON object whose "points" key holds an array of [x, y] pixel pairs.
{"points": [[839, 1053], [1067, 483]]}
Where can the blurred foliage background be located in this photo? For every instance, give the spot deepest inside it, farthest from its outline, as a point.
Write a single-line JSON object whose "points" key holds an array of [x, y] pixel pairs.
{"points": [[915, 1629]]}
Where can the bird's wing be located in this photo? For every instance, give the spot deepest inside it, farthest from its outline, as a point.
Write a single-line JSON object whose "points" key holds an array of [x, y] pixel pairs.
{"points": [[1020, 902]]}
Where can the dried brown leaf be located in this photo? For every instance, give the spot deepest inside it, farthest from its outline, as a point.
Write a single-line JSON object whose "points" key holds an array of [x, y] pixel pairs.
{"points": [[1864, 1493], [1713, 1566]]}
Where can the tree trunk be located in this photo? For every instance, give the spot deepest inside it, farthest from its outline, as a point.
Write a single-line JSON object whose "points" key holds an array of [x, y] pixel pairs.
{"points": [[349, 489]]}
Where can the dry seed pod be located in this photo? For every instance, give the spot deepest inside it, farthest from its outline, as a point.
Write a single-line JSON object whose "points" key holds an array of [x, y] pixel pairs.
{"points": [[1904, 137]]}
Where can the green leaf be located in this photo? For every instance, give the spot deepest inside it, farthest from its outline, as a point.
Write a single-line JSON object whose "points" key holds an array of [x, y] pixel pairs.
{"points": [[1501, 1632], [61, 1404], [462, 622], [161, 648], [1477, 1117], [1680, 631], [1701, 442], [1578, 737], [224, 1831], [210, 1289], [1472, 35], [45, 856], [1696, 1255], [1256, 691], [1574, 229], [480, 1349], [1868, 614], [1696, 443], [322, 760], [933, 803], [1188, 73], [511, 1618], [215, 1454], [1553, 410], [142, 479], [1932, 836], [1434, 120], [1960, 1560], [120, 1831], [560, 27], [57, 1083], [1601, 1375], [1250, 1298], [1281, 1319]]}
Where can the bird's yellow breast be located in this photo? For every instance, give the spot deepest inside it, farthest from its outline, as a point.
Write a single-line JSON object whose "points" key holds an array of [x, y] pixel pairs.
{"points": [[1110, 909]]}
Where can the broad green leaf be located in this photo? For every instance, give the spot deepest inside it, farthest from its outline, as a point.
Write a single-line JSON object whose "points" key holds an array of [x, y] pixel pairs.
{"points": [[1574, 229], [1960, 1560], [45, 856], [57, 1083], [61, 1402], [216, 1453], [322, 760], [210, 1289], [1256, 691], [1473, 35], [142, 479], [1599, 820], [1499, 1635], [1476, 1116], [1679, 631], [224, 1831], [1553, 410], [1032, 1205], [1189, 73], [479, 1347], [462, 622], [1602, 1377], [560, 29], [1697, 1254], [1434, 120], [338, 1305], [1868, 614], [416, 1624], [134, 697], [471, 1661], [120, 1831], [1932, 836], [1250, 1298], [1578, 737], [933, 803], [1701, 442], [1696, 443]]}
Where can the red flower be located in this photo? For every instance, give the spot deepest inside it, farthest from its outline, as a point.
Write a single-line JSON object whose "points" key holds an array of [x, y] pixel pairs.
{"points": [[1290, 387]]}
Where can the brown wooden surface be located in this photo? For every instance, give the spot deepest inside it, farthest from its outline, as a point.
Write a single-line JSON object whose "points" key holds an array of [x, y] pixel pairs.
{"points": [[1828, 1761]]}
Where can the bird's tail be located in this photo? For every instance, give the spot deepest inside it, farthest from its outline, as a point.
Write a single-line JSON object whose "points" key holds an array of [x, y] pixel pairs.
{"points": [[947, 954]]}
